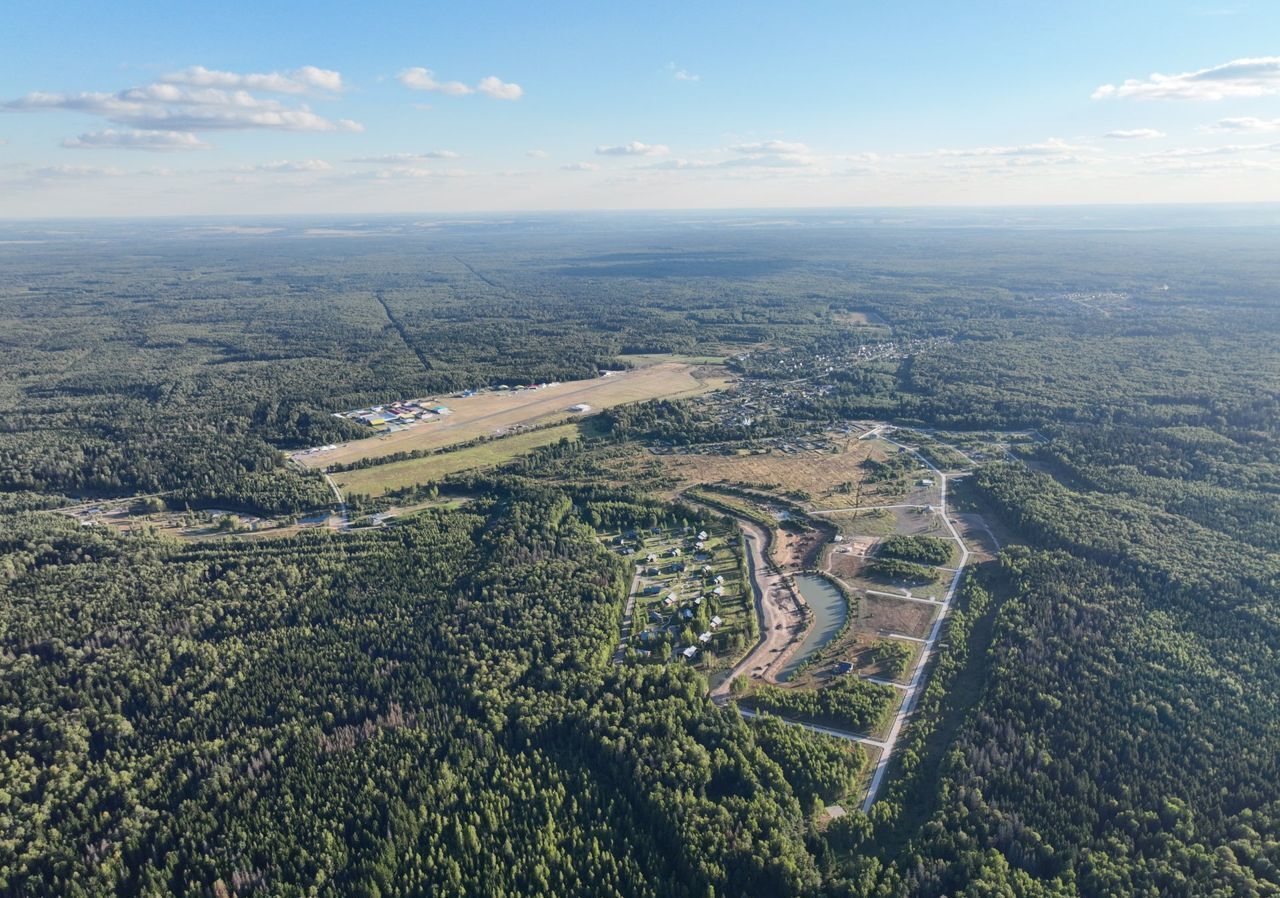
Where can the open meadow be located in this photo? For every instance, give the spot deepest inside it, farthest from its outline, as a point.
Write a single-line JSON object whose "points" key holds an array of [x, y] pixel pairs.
{"points": [[834, 477]]}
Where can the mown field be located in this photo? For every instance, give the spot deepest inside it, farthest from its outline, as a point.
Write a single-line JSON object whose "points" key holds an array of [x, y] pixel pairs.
{"points": [[382, 479]]}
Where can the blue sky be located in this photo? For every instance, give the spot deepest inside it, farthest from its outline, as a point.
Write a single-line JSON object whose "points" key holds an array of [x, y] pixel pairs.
{"points": [[149, 108]]}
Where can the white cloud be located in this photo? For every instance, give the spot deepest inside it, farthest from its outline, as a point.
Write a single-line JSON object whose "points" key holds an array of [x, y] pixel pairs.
{"points": [[405, 158], [756, 159], [772, 148], [770, 154], [1051, 147], [171, 107], [769, 160], [680, 165], [418, 78], [75, 171], [682, 74], [409, 173], [1134, 134], [151, 141], [634, 148], [495, 87], [1215, 165], [537, 154], [1199, 152], [1250, 77], [304, 80], [580, 166], [1246, 125], [291, 166]]}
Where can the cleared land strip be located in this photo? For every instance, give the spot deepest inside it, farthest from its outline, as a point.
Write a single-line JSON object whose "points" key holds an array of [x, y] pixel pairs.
{"points": [[400, 329], [486, 413]]}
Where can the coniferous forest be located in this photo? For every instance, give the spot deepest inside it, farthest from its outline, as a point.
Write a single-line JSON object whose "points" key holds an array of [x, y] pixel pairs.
{"points": [[431, 708]]}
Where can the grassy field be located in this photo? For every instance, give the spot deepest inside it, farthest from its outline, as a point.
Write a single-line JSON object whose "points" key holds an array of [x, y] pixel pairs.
{"points": [[644, 359], [394, 475], [831, 479], [859, 319], [495, 412], [888, 521]]}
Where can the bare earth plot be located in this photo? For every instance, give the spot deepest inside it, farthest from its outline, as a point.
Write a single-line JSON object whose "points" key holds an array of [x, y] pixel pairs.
{"points": [[495, 412], [881, 615]]}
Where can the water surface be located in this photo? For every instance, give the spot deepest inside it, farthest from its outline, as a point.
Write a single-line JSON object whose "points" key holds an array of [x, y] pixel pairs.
{"points": [[829, 613]]}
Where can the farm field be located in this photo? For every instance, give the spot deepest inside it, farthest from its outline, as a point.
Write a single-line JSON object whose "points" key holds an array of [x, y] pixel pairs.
{"points": [[494, 412], [831, 479], [381, 479]]}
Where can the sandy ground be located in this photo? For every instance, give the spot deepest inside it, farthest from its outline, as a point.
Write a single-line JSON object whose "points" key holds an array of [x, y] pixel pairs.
{"points": [[489, 413], [782, 623]]}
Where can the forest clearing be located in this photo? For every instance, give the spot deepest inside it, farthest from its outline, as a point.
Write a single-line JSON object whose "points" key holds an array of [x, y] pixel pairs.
{"points": [[495, 412]]}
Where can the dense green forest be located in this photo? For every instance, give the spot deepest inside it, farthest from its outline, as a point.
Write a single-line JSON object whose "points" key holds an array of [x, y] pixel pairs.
{"points": [[430, 708]]}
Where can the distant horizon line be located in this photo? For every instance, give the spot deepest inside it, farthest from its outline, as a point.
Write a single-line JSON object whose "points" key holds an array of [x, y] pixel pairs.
{"points": [[622, 211]]}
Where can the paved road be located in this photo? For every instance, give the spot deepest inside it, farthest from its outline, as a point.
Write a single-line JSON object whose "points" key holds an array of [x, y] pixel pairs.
{"points": [[918, 676]]}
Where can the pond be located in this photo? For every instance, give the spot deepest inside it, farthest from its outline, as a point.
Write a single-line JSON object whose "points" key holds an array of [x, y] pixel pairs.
{"points": [[829, 613]]}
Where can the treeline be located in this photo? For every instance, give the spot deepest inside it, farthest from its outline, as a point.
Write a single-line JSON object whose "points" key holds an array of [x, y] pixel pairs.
{"points": [[893, 570], [918, 549]]}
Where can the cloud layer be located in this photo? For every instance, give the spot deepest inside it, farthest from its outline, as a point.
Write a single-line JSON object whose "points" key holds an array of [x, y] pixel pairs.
{"points": [[307, 79], [151, 141], [1250, 77], [197, 99], [634, 148], [405, 158], [1246, 125], [419, 78], [1134, 134]]}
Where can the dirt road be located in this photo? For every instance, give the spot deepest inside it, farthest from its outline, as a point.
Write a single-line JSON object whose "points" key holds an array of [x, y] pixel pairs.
{"points": [[777, 610]]}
